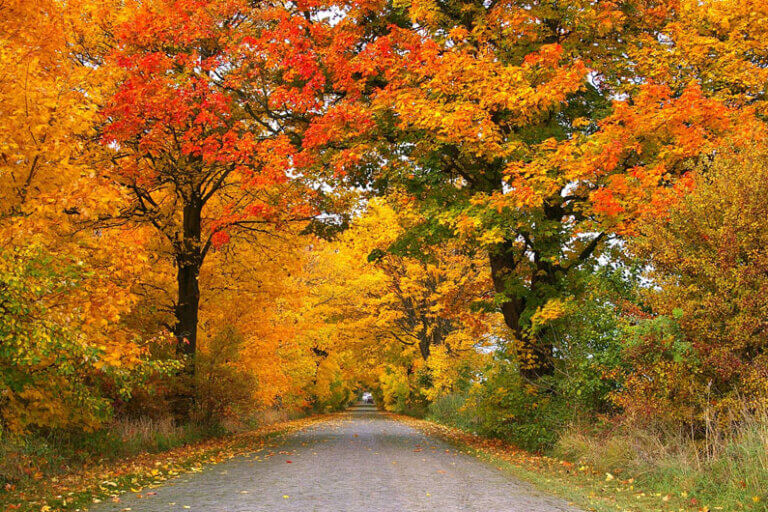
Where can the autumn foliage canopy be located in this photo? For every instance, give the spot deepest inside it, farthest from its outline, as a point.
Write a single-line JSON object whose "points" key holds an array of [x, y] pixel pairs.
{"points": [[212, 208]]}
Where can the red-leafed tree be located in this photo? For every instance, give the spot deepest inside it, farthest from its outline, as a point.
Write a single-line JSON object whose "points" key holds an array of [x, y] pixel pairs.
{"points": [[207, 124]]}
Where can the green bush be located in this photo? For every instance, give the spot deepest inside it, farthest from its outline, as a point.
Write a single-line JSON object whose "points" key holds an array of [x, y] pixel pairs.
{"points": [[450, 410], [508, 408]]}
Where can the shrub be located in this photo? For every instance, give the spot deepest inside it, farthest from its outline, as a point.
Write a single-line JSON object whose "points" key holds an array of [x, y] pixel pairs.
{"points": [[450, 410], [52, 375], [709, 264], [224, 388]]}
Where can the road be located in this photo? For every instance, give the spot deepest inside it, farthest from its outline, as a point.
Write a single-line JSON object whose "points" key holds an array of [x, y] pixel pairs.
{"points": [[362, 462]]}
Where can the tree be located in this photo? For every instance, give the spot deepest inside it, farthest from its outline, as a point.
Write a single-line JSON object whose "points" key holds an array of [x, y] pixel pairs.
{"points": [[68, 349], [203, 147], [705, 350], [526, 129], [252, 323]]}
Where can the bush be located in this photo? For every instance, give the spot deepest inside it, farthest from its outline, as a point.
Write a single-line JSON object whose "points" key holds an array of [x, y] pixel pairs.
{"points": [[224, 388], [508, 408], [53, 375], [708, 260], [450, 410]]}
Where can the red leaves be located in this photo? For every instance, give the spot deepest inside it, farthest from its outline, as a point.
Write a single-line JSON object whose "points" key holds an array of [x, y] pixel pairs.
{"points": [[219, 238]]}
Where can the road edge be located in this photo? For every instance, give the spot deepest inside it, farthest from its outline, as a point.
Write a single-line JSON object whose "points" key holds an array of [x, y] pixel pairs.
{"points": [[86, 486], [579, 485]]}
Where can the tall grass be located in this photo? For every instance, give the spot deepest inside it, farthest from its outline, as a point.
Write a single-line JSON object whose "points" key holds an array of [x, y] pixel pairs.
{"points": [[721, 464], [727, 466], [44, 453]]}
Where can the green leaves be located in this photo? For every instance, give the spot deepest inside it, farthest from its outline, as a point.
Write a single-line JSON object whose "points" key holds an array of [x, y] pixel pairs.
{"points": [[49, 371]]}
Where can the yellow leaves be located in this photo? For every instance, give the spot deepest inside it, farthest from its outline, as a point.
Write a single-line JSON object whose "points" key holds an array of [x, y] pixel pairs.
{"points": [[554, 309], [466, 225], [46, 128]]}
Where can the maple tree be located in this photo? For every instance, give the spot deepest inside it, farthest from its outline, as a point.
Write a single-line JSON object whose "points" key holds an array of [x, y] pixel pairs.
{"points": [[201, 155], [526, 130]]}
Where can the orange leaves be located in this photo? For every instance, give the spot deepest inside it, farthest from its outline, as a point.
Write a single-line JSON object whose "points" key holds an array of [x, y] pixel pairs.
{"points": [[548, 55], [338, 124], [456, 93], [661, 134], [636, 150]]}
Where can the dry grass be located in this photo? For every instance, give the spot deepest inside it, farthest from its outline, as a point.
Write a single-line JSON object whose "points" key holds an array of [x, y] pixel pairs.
{"points": [[725, 466]]}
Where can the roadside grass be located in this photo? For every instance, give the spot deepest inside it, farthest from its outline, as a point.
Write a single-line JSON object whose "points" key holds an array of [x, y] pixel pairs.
{"points": [[723, 472], [108, 479], [589, 486]]}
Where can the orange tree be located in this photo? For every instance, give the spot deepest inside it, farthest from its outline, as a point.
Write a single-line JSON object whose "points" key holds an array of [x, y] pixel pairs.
{"points": [[207, 123], [536, 130], [65, 293]]}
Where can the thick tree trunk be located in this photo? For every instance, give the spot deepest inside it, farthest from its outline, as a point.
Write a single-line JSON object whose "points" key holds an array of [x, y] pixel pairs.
{"points": [[187, 308], [189, 259], [535, 355], [424, 348]]}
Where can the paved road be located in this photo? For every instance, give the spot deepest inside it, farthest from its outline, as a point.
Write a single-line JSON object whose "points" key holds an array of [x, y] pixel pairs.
{"points": [[364, 462]]}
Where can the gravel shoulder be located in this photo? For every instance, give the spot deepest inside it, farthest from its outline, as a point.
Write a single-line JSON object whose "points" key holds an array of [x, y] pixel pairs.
{"points": [[362, 461]]}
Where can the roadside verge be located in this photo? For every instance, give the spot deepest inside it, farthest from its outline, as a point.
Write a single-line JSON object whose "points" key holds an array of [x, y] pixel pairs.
{"points": [[139, 474], [581, 485]]}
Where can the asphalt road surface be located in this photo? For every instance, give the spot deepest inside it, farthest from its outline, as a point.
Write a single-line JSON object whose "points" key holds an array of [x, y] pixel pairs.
{"points": [[363, 462]]}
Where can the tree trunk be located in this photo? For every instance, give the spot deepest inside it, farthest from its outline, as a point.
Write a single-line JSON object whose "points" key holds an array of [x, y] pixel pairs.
{"points": [[189, 259], [535, 356], [187, 308], [424, 348]]}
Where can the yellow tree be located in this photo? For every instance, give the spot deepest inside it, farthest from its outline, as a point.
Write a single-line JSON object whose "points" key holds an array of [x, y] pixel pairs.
{"points": [[69, 290], [251, 325], [405, 313]]}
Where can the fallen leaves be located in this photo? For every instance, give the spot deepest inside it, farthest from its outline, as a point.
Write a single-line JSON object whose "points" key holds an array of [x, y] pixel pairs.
{"points": [[106, 481], [600, 489]]}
